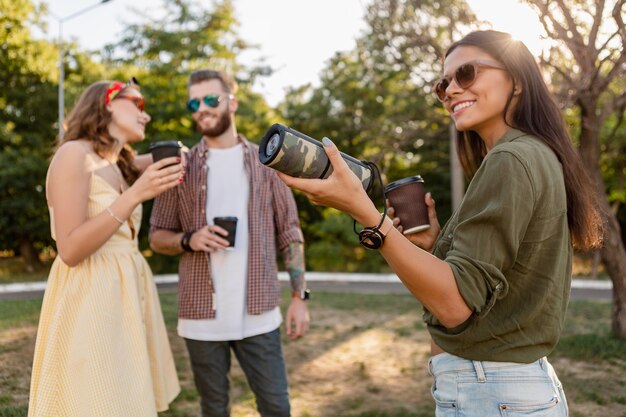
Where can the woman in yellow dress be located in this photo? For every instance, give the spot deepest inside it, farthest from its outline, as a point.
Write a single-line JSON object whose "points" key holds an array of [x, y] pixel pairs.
{"points": [[102, 347]]}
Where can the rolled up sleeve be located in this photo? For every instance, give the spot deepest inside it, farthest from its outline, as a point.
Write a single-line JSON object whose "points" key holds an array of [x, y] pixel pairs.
{"points": [[165, 212], [286, 219], [492, 222]]}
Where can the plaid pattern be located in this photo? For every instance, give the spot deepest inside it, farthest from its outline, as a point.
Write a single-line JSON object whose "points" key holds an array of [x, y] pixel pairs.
{"points": [[272, 221]]}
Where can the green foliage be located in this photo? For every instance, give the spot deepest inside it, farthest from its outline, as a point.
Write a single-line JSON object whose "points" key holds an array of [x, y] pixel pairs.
{"points": [[162, 52], [613, 156], [28, 107], [28, 102], [12, 269], [374, 102], [329, 252]]}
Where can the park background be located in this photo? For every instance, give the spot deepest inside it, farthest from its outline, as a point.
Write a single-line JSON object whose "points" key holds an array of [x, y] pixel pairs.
{"points": [[371, 95]]}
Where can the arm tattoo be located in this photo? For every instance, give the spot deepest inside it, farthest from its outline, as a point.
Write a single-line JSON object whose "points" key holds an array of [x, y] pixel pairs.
{"points": [[294, 263]]}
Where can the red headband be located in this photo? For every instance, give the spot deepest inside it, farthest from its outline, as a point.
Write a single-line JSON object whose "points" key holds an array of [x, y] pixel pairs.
{"points": [[114, 88]]}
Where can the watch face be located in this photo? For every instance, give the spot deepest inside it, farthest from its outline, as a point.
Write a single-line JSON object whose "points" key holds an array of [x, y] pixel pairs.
{"points": [[302, 294]]}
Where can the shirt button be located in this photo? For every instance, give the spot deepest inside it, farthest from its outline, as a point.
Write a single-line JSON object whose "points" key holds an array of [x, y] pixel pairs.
{"points": [[450, 236], [204, 187]]}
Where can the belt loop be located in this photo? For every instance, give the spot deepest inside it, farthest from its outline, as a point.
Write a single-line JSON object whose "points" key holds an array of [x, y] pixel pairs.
{"points": [[480, 372]]}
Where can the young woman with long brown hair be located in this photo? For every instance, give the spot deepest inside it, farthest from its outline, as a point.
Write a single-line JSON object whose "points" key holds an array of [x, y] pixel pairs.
{"points": [[102, 348], [495, 280]]}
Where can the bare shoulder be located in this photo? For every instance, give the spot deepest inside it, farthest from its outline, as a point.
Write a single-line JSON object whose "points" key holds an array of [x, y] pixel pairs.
{"points": [[71, 166], [73, 149], [72, 156]]}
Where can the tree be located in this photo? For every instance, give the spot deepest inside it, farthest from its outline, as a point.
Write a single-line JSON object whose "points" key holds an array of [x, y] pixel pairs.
{"points": [[28, 101], [162, 52], [589, 64], [375, 103], [28, 106]]}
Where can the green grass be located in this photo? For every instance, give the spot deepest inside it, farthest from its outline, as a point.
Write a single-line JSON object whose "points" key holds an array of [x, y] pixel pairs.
{"points": [[19, 313], [591, 363], [10, 411], [587, 334], [591, 347], [383, 303]]}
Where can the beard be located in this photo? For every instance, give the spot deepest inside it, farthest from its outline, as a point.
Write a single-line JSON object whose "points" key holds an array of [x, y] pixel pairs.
{"points": [[221, 125]]}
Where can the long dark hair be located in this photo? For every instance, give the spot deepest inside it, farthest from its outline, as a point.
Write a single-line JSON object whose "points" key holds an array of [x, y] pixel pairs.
{"points": [[537, 113], [89, 120]]}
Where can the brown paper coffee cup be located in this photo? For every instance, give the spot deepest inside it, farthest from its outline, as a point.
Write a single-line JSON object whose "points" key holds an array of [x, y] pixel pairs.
{"points": [[406, 196]]}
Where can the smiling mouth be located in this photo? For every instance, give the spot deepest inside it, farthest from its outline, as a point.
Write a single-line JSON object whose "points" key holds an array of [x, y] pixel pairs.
{"points": [[206, 117], [462, 106]]}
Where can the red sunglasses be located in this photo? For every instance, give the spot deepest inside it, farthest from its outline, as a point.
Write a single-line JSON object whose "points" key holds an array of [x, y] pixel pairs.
{"points": [[464, 76], [139, 101]]}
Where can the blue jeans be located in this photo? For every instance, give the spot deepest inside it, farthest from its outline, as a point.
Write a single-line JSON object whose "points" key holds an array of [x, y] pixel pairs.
{"points": [[261, 359], [467, 388]]}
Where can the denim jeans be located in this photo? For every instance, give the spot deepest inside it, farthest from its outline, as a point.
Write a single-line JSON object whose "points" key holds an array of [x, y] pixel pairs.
{"points": [[467, 388], [261, 359]]}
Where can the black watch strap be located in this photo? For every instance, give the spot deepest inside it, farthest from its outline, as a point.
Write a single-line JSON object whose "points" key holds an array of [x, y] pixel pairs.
{"points": [[184, 242]]}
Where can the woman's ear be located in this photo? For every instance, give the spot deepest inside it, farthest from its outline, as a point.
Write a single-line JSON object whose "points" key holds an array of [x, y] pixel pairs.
{"points": [[517, 90]]}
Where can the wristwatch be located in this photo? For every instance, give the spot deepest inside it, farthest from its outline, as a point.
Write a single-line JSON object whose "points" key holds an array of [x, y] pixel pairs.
{"points": [[301, 294]]}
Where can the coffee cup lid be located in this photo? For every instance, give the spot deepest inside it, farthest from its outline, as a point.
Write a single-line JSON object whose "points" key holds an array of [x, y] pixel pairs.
{"points": [[403, 181], [166, 144], [225, 218]]}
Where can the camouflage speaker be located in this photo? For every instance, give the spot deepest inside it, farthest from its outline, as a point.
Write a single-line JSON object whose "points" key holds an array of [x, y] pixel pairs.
{"points": [[298, 155]]}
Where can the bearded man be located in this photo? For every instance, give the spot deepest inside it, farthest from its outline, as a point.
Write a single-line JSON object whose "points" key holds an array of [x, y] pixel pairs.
{"points": [[228, 296]]}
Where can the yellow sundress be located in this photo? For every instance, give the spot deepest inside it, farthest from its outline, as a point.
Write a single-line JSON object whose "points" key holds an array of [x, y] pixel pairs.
{"points": [[102, 348]]}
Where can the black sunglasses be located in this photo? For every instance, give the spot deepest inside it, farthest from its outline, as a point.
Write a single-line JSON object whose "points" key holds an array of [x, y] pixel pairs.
{"points": [[464, 76], [211, 100]]}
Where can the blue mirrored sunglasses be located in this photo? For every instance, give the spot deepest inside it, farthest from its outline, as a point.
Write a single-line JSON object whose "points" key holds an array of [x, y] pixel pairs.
{"points": [[211, 100]]}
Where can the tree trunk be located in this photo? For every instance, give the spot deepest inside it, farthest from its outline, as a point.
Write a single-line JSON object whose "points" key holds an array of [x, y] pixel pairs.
{"points": [[30, 255], [613, 253], [595, 264], [614, 259]]}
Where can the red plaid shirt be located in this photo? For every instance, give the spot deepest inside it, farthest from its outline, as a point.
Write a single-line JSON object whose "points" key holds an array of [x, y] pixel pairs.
{"points": [[272, 219]]}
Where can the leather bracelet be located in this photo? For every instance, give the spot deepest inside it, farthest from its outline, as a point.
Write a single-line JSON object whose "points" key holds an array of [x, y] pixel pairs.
{"points": [[372, 237], [184, 242]]}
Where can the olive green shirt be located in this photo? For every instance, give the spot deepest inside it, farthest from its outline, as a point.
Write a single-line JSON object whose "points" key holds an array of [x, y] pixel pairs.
{"points": [[508, 245]]}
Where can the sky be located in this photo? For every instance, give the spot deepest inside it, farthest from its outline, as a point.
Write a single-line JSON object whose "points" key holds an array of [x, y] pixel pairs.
{"points": [[296, 37]]}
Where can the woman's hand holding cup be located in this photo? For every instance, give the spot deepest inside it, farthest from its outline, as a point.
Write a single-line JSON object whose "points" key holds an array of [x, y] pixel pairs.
{"points": [[157, 178], [425, 238]]}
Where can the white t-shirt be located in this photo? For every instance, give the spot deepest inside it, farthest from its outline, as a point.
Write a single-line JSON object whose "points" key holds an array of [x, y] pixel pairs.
{"points": [[228, 190]]}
